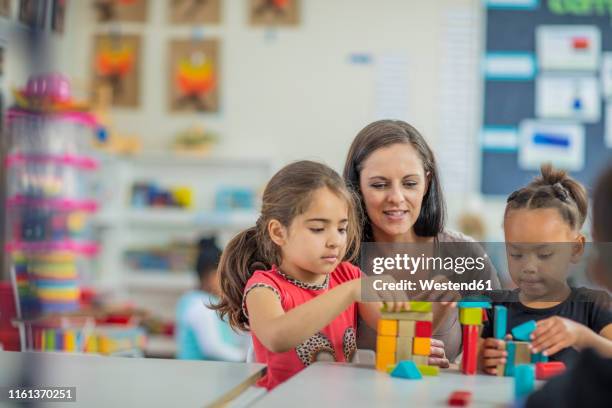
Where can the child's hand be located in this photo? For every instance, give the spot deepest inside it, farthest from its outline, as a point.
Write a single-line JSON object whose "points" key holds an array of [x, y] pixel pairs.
{"points": [[437, 356], [492, 354], [554, 334]]}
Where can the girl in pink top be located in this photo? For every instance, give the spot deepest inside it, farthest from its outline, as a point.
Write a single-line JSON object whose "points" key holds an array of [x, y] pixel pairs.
{"points": [[288, 279]]}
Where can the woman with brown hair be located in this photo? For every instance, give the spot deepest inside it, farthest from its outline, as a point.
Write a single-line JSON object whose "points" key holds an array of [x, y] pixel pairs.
{"points": [[394, 173]]}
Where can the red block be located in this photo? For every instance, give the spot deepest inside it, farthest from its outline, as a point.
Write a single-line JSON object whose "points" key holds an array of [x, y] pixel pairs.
{"points": [[544, 371], [580, 43], [460, 399], [470, 349], [422, 329], [485, 317]]}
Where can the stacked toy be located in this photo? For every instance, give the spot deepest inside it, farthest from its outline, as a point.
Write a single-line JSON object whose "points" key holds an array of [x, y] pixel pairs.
{"points": [[471, 312], [48, 201], [404, 341]]}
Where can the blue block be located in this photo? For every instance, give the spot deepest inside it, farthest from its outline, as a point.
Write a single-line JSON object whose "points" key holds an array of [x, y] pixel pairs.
{"points": [[473, 304], [539, 358], [523, 331], [406, 369], [511, 349], [500, 322], [524, 380]]}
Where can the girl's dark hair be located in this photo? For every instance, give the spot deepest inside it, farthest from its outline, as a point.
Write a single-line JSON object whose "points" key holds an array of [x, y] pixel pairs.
{"points": [[553, 189], [208, 257], [384, 133], [602, 207], [287, 195]]}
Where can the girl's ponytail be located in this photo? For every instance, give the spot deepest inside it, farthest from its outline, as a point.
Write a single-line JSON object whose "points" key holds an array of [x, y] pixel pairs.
{"points": [[240, 258]]}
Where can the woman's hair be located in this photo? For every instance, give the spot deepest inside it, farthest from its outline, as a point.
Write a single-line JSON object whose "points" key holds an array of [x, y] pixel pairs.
{"points": [[207, 259], [385, 133], [287, 195], [553, 189], [602, 207]]}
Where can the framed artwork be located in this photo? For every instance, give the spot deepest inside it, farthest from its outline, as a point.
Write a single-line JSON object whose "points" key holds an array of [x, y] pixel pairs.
{"points": [[33, 13], [134, 11], [5, 8], [274, 12], [195, 11], [116, 64], [194, 76], [2, 60], [58, 15]]}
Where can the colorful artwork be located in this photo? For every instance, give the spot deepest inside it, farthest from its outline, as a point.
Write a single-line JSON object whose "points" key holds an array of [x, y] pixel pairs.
{"points": [[33, 13], [116, 64], [194, 76], [58, 15], [195, 11], [121, 10], [274, 12]]}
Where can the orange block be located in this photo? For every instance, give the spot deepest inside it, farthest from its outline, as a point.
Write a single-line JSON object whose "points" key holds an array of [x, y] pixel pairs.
{"points": [[384, 360], [421, 346], [387, 327], [386, 344]]}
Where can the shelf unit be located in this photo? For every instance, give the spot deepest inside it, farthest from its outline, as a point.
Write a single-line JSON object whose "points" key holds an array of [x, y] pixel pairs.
{"points": [[119, 226]]}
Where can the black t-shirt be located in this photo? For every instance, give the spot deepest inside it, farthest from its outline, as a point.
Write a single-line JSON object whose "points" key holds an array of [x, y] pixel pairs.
{"points": [[589, 307], [587, 384]]}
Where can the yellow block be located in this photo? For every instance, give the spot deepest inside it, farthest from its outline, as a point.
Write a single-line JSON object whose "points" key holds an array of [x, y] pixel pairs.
{"points": [[405, 328], [69, 341], [470, 316], [420, 306], [428, 370], [387, 327], [386, 344], [421, 346], [384, 360], [404, 348]]}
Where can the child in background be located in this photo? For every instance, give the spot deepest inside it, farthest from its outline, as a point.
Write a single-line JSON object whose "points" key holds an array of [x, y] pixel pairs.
{"points": [[287, 280], [200, 334], [587, 384], [542, 225]]}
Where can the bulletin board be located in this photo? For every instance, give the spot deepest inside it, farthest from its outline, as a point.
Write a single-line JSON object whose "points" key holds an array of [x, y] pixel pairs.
{"points": [[516, 79]]}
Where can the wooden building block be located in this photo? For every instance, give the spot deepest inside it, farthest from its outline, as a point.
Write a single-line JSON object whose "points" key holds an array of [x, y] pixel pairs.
{"points": [[470, 316], [406, 328], [404, 348], [422, 329], [383, 360], [420, 360], [522, 354], [421, 346], [550, 369], [428, 316], [387, 327], [406, 369], [428, 370], [469, 361], [500, 322], [523, 331], [524, 380], [511, 349], [386, 344], [460, 399], [420, 306]]}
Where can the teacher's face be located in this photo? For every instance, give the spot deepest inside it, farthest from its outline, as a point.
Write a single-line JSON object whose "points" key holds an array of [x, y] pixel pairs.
{"points": [[393, 183]]}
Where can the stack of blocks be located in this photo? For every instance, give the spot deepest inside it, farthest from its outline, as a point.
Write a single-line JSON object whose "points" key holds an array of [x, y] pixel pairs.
{"points": [[470, 316], [405, 336]]}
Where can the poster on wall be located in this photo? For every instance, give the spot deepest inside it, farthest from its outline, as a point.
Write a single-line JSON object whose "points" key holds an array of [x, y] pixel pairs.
{"points": [[568, 47], [274, 12], [58, 15], [134, 11], [116, 64], [561, 144], [573, 97], [608, 129], [195, 11], [194, 76], [5, 8], [606, 74], [33, 13]]}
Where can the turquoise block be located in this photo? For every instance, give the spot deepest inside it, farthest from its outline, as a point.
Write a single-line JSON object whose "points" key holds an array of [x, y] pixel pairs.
{"points": [[539, 358], [523, 331], [473, 304], [511, 350], [524, 380], [500, 322], [406, 369]]}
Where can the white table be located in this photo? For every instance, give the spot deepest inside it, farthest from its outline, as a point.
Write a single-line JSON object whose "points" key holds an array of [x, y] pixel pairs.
{"points": [[339, 385], [113, 382]]}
